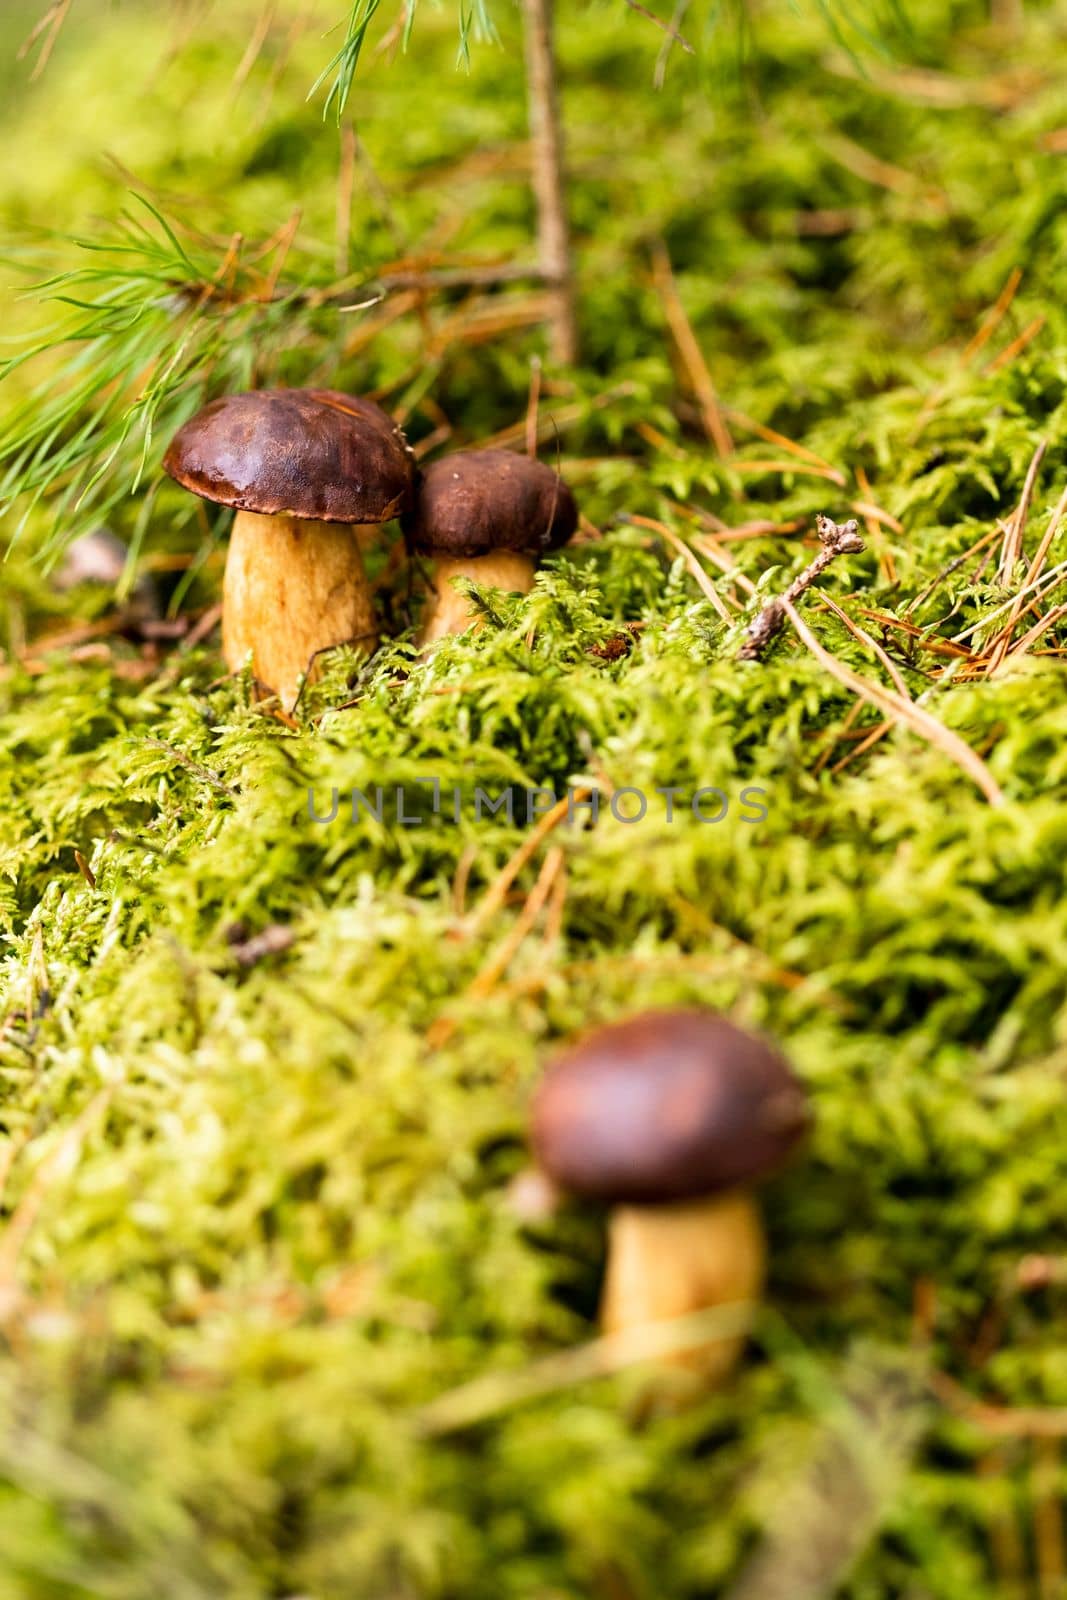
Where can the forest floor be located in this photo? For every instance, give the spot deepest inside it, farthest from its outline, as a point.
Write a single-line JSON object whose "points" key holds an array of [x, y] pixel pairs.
{"points": [[258, 1242]]}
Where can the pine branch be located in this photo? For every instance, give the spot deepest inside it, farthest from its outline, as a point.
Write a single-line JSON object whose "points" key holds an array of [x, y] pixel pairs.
{"points": [[143, 329]]}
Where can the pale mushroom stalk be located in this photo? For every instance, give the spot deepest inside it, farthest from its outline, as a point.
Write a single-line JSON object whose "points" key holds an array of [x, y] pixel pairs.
{"points": [[485, 515], [293, 588], [311, 473], [449, 609], [673, 1260], [670, 1118]]}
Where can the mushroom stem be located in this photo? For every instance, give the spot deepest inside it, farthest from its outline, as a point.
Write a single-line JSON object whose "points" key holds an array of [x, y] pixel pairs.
{"points": [[672, 1260], [449, 610], [293, 587]]}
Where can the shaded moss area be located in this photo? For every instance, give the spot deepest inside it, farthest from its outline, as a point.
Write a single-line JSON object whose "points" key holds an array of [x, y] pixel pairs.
{"points": [[257, 1234]]}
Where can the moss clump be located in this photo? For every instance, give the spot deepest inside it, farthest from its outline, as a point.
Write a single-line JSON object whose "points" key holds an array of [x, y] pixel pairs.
{"points": [[256, 1216]]}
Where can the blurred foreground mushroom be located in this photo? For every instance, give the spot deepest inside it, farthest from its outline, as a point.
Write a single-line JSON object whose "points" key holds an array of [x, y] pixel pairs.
{"points": [[671, 1118], [487, 515], [306, 469]]}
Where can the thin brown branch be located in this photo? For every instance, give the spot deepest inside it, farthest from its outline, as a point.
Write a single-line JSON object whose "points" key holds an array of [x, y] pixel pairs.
{"points": [[1003, 644], [872, 644], [497, 892], [668, 28], [836, 541], [913, 715], [783, 441], [1012, 548], [49, 25], [1005, 1422], [687, 555], [659, 75], [549, 179], [1017, 346]]}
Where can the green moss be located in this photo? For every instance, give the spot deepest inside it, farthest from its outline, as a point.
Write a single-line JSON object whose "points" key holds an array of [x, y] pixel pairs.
{"points": [[257, 1218]]}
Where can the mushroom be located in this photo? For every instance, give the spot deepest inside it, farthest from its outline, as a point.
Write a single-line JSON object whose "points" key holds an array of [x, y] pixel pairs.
{"points": [[485, 515], [670, 1118], [306, 470]]}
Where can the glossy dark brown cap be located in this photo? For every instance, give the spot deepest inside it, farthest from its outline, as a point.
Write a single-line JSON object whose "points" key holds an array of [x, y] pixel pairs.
{"points": [[481, 500], [296, 452], [669, 1105]]}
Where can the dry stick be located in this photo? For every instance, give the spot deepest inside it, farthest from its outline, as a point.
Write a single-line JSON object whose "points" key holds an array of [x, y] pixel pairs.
{"points": [[1046, 622], [1002, 1422], [1003, 644], [668, 28], [1005, 1544], [772, 436], [995, 317], [660, 73], [532, 408], [709, 967], [836, 541], [946, 572], [546, 135], [1008, 354], [758, 464], [836, 736], [495, 1392], [689, 350], [1048, 1518], [1012, 547], [255, 47], [974, 347], [497, 892], [873, 516], [686, 554], [556, 905], [935, 646], [556, 421], [489, 975], [907, 711], [872, 644], [1040, 589], [82, 864], [709, 546], [864, 164], [50, 24], [865, 744], [192, 766], [500, 959]]}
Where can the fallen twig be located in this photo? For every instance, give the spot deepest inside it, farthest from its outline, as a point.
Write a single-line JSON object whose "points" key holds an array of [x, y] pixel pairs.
{"points": [[1012, 548], [900, 710], [836, 541], [689, 352]]}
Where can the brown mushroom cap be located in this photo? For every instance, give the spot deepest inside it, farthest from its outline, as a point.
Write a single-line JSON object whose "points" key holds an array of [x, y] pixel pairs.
{"points": [[309, 453], [481, 500], [669, 1105]]}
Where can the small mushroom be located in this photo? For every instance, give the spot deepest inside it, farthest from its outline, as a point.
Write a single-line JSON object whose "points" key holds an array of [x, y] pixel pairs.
{"points": [[486, 515], [671, 1118], [307, 470]]}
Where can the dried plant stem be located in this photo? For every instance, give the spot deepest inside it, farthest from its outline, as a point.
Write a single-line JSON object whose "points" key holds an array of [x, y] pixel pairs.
{"points": [[1012, 548], [913, 715], [836, 541], [546, 134]]}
